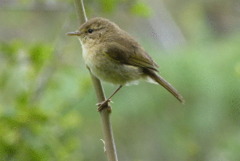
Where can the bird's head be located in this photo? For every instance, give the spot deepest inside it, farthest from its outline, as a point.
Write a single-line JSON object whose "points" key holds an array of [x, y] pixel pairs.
{"points": [[95, 30]]}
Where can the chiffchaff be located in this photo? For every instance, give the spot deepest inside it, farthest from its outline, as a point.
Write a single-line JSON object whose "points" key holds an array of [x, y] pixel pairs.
{"points": [[114, 56]]}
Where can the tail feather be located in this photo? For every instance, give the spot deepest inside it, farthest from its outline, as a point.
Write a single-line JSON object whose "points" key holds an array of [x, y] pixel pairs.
{"points": [[160, 80]]}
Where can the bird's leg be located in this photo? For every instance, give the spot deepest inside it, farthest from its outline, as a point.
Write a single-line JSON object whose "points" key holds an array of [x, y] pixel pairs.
{"points": [[102, 105]]}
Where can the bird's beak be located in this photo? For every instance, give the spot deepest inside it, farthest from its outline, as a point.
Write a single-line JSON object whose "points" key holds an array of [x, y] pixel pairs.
{"points": [[75, 33]]}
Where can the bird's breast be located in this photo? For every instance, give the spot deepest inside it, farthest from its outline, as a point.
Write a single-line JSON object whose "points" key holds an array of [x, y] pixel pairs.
{"points": [[103, 67]]}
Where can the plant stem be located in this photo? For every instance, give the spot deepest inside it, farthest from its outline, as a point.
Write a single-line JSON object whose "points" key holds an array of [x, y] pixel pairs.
{"points": [[105, 113]]}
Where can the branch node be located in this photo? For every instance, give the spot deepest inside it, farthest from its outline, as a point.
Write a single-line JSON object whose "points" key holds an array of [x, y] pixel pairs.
{"points": [[104, 148]]}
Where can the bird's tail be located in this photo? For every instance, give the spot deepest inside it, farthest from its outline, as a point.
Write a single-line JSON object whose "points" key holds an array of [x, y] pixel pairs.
{"points": [[160, 80]]}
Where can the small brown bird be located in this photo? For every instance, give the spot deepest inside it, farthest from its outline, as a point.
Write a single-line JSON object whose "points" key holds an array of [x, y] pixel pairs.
{"points": [[114, 56]]}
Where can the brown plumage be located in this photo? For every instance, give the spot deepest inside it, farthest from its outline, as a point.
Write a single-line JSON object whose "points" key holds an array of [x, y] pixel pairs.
{"points": [[114, 56]]}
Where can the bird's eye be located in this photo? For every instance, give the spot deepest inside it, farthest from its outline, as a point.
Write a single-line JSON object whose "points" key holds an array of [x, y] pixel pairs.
{"points": [[90, 31]]}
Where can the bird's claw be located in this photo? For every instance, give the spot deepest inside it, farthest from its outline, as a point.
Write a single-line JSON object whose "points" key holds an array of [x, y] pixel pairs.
{"points": [[103, 104]]}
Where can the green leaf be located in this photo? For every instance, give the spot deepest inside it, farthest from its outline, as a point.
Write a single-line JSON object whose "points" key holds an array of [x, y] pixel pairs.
{"points": [[109, 5], [141, 9], [39, 53]]}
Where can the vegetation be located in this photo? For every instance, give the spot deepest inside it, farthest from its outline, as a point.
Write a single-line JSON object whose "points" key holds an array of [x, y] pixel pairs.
{"points": [[47, 103]]}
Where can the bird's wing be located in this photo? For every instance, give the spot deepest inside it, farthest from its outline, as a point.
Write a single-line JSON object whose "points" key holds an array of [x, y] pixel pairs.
{"points": [[130, 55]]}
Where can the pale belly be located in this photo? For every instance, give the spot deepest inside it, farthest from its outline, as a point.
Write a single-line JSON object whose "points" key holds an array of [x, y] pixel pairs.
{"points": [[108, 70]]}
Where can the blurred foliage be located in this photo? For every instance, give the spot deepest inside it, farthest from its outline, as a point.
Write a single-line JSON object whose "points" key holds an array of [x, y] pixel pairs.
{"points": [[27, 131], [141, 9], [47, 104], [137, 7]]}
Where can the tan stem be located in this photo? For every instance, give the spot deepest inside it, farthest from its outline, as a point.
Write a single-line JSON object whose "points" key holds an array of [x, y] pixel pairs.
{"points": [[105, 113]]}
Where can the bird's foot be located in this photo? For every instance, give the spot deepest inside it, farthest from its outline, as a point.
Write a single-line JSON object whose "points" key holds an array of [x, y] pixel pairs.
{"points": [[103, 105]]}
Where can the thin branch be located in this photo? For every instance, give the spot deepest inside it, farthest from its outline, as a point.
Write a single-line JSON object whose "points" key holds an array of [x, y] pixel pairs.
{"points": [[81, 13], [105, 113]]}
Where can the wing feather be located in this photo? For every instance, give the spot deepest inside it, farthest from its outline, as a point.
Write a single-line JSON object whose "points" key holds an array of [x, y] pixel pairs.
{"points": [[130, 55]]}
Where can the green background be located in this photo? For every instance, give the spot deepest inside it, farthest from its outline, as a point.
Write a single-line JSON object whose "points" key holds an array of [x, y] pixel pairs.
{"points": [[47, 102]]}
